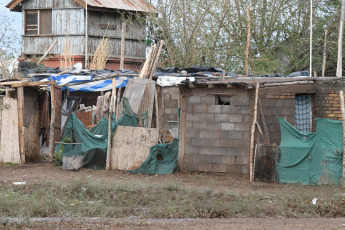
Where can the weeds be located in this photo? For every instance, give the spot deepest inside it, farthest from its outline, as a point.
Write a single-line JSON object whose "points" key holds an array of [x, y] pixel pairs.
{"points": [[86, 198]]}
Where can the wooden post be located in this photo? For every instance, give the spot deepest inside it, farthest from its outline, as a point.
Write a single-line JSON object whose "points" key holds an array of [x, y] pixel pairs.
{"points": [[158, 54], [223, 75], [248, 42], [7, 92], [123, 43], [52, 122], [340, 41], [324, 54], [20, 93], [341, 94], [252, 136], [47, 52], [157, 113], [118, 106], [111, 109]]}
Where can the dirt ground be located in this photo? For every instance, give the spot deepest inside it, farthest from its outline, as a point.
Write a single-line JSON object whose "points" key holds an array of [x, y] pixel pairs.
{"points": [[33, 173]]}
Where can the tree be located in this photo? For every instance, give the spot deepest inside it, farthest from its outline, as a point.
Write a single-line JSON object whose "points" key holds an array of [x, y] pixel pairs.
{"points": [[200, 32]]}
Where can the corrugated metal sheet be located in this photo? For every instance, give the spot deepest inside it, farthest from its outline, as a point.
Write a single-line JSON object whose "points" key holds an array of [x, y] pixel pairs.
{"points": [[130, 5]]}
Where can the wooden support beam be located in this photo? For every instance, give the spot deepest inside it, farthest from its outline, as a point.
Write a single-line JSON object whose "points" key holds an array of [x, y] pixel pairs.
{"points": [[20, 93], [342, 103], [31, 83], [123, 43], [210, 86], [111, 110], [252, 134], [47, 52], [291, 89], [8, 92]]}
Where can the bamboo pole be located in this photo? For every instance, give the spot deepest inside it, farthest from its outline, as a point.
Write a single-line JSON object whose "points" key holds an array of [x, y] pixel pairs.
{"points": [[311, 38], [252, 132], [111, 108], [340, 41], [341, 94], [52, 123], [324, 54], [248, 42], [123, 40]]}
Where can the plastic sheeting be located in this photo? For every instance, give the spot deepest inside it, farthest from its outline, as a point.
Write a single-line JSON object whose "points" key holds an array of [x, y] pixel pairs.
{"points": [[314, 158], [166, 81]]}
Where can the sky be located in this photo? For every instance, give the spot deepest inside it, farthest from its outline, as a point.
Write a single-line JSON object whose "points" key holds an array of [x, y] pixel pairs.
{"points": [[16, 21]]}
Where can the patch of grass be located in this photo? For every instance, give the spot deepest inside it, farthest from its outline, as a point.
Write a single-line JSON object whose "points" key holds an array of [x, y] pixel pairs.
{"points": [[87, 198]]}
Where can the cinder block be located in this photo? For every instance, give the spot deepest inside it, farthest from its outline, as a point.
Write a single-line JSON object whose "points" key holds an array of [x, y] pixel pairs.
{"points": [[211, 142], [234, 151], [198, 141], [191, 150], [188, 158], [245, 168], [204, 167], [234, 168], [193, 117], [242, 126], [240, 101], [220, 134], [199, 158], [171, 117], [170, 111], [227, 160], [189, 124], [200, 108], [236, 118], [192, 166], [213, 159], [206, 150], [227, 126], [206, 134], [214, 108], [213, 125], [243, 109], [220, 151], [228, 109], [194, 100], [235, 135], [207, 117], [175, 96], [199, 125], [221, 117], [166, 96], [171, 104], [221, 168], [192, 133], [209, 100], [226, 143], [240, 143]]}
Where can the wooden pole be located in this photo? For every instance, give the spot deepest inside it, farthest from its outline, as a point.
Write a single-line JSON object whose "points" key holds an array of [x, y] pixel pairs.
{"points": [[252, 132], [52, 122], [123, 43], [311, 39], [324, 54], [248, 42], [20, 93], [146, 64], [7, 92], [340, 41], [47, 52], [111, 109], [341, 94], [86, 36], [267, 135], [155, 63]]}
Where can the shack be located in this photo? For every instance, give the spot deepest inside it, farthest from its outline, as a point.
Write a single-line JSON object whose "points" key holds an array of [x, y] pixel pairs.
{"points": [[223, 122], [78, 29]]}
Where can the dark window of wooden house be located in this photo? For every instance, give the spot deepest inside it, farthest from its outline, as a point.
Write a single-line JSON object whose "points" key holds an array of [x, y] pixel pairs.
{"points": [[31, 22], [38, 22], [45, 21]]}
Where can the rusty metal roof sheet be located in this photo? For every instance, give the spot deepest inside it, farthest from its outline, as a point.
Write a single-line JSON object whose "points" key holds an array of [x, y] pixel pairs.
{"points": [[129, 5]]}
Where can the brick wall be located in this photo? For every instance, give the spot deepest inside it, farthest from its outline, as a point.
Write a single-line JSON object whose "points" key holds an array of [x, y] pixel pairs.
{"points": [[327, 100], [217, 136]]}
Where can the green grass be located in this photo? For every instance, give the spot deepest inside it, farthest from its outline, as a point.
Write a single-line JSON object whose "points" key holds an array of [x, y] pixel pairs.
{"points": [[86, 198]]}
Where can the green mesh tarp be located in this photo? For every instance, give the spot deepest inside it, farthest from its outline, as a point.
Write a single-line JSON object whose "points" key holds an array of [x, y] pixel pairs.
{"points": [[314, 158], [162, 159]]}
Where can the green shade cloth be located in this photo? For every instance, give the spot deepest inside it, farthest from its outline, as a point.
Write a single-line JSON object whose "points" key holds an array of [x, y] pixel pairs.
{"points": [[162, 159], [314, 158]]}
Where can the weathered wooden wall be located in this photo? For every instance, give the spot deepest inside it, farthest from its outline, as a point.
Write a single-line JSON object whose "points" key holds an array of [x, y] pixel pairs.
{"points": [[31, 125], [48, 4]]}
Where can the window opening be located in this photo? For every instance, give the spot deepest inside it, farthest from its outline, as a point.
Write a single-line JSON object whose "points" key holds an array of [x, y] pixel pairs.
{"points": [[303, 113], [223, 100]]}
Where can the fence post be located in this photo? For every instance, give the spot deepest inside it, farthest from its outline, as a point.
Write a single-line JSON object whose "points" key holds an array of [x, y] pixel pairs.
{"points": [[343, 118]]}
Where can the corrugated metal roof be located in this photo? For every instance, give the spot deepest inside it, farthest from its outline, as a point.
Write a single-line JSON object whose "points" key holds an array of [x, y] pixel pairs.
{"points": [[130, 5]]}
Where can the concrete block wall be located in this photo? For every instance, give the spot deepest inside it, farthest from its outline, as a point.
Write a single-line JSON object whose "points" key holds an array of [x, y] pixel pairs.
{"points": [[168, 104], [282, 105], [217, 136]]}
